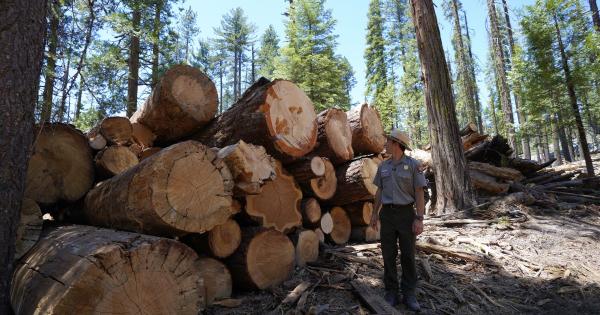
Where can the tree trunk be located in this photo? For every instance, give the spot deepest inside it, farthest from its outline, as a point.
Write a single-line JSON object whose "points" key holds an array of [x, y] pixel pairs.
{"points": [[306, 243], [134, 60], [250, 166], [156, 42], [453, 185], [311, 212], [54, 16], [217, 279], [556, 140], [278, 204], [566, 151], [114, 160], [595, 15], [62, 107], [473, 78], [264, 259], [341, 226], [181, 189], [360, 213], [61, 166], [277, 115], [367, 132], [334, 136], [30, 227], [88, 270], [355, 182], [585, 150], [221, 241], [184, 100]]}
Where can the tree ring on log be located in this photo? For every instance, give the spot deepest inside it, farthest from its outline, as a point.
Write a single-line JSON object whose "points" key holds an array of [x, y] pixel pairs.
{"points": [[270, 265], [190, 94]]}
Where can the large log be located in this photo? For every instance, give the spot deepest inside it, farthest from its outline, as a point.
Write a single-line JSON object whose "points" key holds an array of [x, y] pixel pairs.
{"points": [[367, 130], [355, 182], [250, 166], [359, 213], [30, 227], [307, 169], [498, 172], [277, 115], [278, 204], [182, 189], [306, 243], [311, 212], [114, 160], [221, 241], [341, 226], [217, 279], [488, 183], [322, 187], [264, 259], [184, 100], [88, 270], [116, 130], [61, 166], [334, 136], [142, 135], [148, 152]]}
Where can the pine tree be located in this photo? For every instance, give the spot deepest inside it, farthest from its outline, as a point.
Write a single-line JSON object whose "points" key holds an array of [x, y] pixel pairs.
{"points": [[268, 52], [188, 30]]}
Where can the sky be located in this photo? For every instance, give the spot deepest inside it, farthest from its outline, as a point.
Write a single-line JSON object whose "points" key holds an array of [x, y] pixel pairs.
{"points": [[351, 16]]}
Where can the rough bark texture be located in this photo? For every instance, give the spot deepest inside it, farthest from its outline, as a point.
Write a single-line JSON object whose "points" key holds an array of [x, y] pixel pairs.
{"points": [[217, 279], [359, 213], [250, 166], [306, 243], [182, 189], [367, 130], [595, 15], [277, 115], [488, 183], [311, 212], [22, 29], [341, 226], [453, 185], [61, 166], [355, 182], [278, 204], [264, 259], [30, 227], [334, 136], [498, 172], [184, 100], [54, 17], [221, 241], [87, 270], [114, 160]]}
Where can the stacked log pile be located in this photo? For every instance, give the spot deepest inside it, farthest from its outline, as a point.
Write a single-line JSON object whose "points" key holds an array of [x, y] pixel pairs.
{"points": [[232, 201]]}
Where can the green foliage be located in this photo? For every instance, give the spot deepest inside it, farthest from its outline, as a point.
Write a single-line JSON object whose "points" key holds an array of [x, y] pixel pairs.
{"points": [[268, 52], [88, 119], [188, 31]]}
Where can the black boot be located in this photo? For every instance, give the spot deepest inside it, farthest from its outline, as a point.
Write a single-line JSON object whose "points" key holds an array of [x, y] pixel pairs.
{"points": [[391, 297], [410, 300]]}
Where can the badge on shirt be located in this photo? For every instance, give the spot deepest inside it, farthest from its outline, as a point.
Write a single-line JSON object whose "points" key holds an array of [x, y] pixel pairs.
{"points": [[406, 167]]}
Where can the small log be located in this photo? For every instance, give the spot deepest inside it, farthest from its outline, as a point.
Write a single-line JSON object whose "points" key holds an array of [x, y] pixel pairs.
{"points": [[87, 270], [326, 224], [61, 166], [360, 213], [278, 204], [364, 234], [355, 182], [311, 212], [264, 259], [250, 166], [136, 149], [341, 226], [95, 139], [217, 279], [221, 241], [182, 189], [146, 153], [307, 169], [323, 187], [320, 235], [498, 172], [367, 130], [306, 243], [334, 136], [528, 167], [30, 227], [488, 183], [274, 114], [472, 139], [116, 130], [468, 129], [142, 135], [184, 100], [114, 160]]}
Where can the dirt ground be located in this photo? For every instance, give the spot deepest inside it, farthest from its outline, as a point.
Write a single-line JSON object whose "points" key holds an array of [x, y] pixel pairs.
{"points": [[529, 260]]}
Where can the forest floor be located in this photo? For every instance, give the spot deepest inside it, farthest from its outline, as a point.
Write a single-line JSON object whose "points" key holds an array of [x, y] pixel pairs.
{"points": [[535, 260]]}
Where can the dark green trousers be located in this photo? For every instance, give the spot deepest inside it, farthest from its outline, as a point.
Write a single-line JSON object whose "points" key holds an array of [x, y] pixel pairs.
{"points": [[396, 229]]}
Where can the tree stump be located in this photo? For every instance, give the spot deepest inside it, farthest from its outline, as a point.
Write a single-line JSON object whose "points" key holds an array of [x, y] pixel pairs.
{"points": [[276, 115], [61, 166], [250, 166], [334, 136], [341, 226], [30, 227], [360, 213], [114, 160], [87, 270], [182, 189], [368, 135], [278, 204], [221, 241], [264, 259], [184, 100], [355, 182], [307, 246], [217, 279], [311, 212]]}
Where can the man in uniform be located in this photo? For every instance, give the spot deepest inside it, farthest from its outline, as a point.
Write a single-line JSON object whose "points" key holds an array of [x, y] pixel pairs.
{"points": [[400, 186]]}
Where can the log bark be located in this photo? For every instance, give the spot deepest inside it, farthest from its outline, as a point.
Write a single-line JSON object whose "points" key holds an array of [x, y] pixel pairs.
{"points": [[355, 182], [264, 259], [341, 226], [276, 115], [472, 139], [311, 212], [359, 213], [61, 166], [217, 279], [88, 270], [364, 234], [334, 136], [142, 135], [278, 204], [488, 183], [116, 130], [367, 130], [250, 166], [114, 160], [146, 153], [307, 169], [221, 241], [182, 189], [528, 167], [30, 227], [498, 172], [468, 129], [306, 243], [184, 100], [322, 187]]}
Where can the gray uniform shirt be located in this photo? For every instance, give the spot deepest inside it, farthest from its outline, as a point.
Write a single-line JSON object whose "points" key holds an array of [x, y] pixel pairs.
{"points": [[398, 180]]}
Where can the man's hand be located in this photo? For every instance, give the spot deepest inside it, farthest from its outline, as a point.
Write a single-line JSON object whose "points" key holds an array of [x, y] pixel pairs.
{"points": [[417, 227], [374, 223]]}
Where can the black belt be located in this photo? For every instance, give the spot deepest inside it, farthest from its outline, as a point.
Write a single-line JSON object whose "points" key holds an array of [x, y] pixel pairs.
{"points": [[395, 205]]}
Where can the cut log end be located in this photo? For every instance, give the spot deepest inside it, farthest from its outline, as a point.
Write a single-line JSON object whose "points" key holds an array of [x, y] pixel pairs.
{"points": [[250, 166], [116, 130], [335, 136], [360, 213], [326, 223], [307, 247], [364, 234], [115, 160], [311, 212], [217, 279], [341, 226], [142, 135], [367, 131], [30, 227], [224, 239], [324, 187]]}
